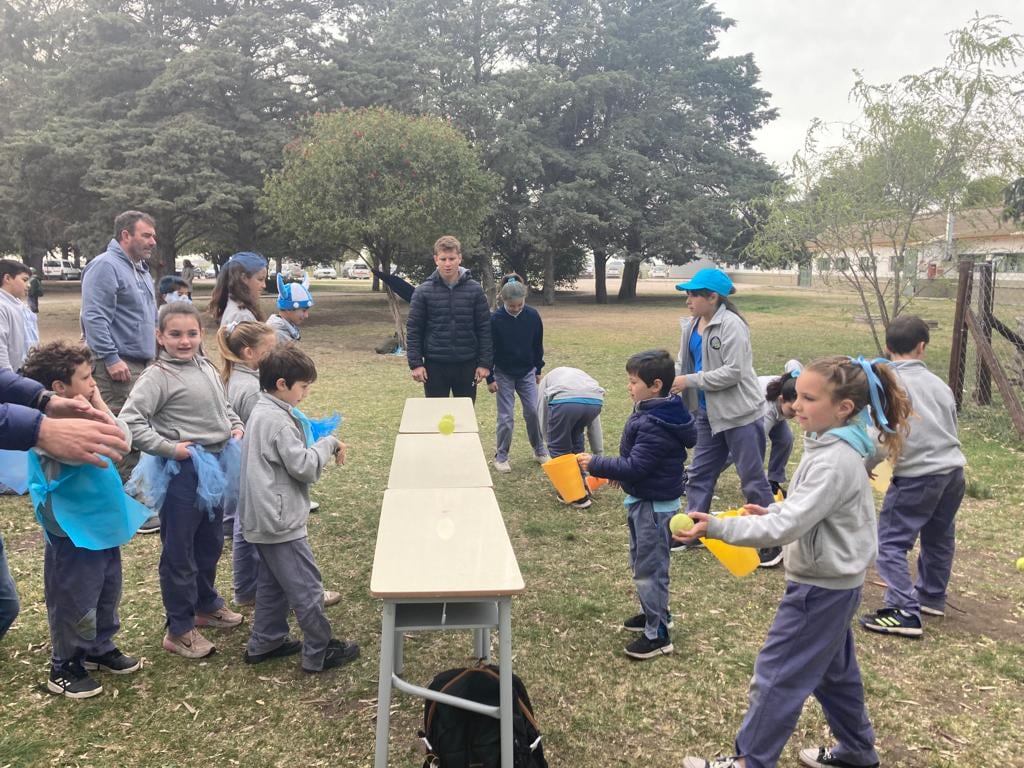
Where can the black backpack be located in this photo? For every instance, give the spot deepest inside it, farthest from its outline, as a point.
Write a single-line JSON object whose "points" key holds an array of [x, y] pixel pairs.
{"points": [[458, 738]]}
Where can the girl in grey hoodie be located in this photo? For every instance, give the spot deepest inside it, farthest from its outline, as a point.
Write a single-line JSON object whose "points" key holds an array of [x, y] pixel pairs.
{"points": [[827, 525]]}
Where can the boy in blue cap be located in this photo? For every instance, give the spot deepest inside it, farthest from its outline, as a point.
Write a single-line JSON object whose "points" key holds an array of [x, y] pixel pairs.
{"points": [[293, 303]]}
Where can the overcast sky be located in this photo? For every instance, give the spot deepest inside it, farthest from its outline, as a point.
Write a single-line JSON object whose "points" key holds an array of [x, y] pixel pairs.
{"points": [[807, 51]]}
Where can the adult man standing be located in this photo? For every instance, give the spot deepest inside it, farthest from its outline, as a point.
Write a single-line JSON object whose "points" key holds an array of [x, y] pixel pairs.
{"points": [[119, 315], [69, 430], [119, 307], [448, 332]]}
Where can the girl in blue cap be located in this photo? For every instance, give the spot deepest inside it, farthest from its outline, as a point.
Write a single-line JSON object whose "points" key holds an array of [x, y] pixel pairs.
{"points": [[236, 296], [716, 377]]}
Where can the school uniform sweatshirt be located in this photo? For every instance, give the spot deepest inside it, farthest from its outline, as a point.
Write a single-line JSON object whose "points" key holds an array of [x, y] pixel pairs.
{"points": [[277, 470], [177, 400], [243, 390], [13, 342], [570, 385], [826, 524], [734, 398], [518, 342], [932, 446]]}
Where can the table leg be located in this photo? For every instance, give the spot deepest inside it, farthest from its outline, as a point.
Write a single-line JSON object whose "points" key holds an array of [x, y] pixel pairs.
{"points": [[482, 644], [505, 682], [387, 661], [399, 653]]}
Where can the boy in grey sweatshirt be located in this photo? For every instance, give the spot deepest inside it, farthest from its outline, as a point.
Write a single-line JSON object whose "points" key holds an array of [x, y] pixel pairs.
{"points": [[925, 494], [279, 462]]}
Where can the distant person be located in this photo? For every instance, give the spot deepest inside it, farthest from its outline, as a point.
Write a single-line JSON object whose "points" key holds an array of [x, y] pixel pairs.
{"points": [[35, 290], [716, 378], [189, 274], [15, 317], [649, 468], [448, 331], [293, 303], [280, 461], [236, 295], [827, 524], [924, 495], [517, 333]]}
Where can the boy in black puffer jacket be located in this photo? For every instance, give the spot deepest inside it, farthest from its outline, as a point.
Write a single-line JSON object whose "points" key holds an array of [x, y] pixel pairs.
{"points": [[448, 333], [650, 471]]}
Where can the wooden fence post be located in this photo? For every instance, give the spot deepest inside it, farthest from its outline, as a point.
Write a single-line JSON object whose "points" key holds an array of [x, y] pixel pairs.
{"points": [[986, 291], [958, 352]]}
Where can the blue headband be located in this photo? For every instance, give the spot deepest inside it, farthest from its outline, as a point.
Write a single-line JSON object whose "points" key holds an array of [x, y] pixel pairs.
{"points": [[250, 261], [876, 390]]}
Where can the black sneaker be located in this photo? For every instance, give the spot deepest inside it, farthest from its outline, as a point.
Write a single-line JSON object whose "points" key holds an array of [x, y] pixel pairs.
{"points": [[583, 503], [112, 661], [287, 648], [152, 525], [642, 648], [314, 506], [822, 757], [679, 546], [70, 679], [638, 623], [777, 489], [769, 557], [893, 621], [338, 654]]}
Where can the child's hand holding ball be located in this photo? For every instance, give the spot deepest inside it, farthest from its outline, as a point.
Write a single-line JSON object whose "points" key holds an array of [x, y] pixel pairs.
{"points": [[688, 526]]}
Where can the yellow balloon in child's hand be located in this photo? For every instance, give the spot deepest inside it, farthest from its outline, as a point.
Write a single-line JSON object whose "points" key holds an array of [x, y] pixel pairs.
{"points": [[446, 425], [680, 523]]}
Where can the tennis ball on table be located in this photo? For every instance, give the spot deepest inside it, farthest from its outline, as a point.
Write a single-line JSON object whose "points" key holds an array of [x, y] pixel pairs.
{"points": [[1020, 563], [446, 425], [680, 522]]}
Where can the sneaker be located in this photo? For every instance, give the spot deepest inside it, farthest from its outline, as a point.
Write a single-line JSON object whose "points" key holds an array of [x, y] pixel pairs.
{"points": [[502, 466], [222, 618], [638, 623], [191, 645], [541, 458], [152, 525], [927, 610], [70, 679], [287, 648], [583, 503], [642, 648], [331, 597], [893, 621], [338, 654], [718, 762], [679, 546], [769, 557], [314, 506], [822, 757], [243, 602], [112, 661]]}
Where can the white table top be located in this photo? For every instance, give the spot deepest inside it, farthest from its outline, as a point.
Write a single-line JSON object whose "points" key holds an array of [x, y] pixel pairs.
{"points": [[439, 461], [421, 414], [443, 542]]}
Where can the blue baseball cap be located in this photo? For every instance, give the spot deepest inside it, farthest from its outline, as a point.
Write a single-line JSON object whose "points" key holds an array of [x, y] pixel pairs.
{"points": [[709, 279]]}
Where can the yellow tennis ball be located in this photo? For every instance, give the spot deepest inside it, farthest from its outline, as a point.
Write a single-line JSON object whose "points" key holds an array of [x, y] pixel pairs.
{"points": [[446, 425], [682, 522], [1020, 563]]}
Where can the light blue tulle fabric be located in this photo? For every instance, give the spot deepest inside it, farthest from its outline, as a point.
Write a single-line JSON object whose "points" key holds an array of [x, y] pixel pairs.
{"points": [[217, 477], [87, 502], [314, 429]]}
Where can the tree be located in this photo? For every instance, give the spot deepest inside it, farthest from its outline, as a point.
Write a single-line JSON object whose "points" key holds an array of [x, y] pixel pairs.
{"points": [[377, 182], [908, 161]]}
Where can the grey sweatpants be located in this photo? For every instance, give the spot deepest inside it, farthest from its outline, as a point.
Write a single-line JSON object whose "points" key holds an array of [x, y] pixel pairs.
{"points": [[289, 579]]}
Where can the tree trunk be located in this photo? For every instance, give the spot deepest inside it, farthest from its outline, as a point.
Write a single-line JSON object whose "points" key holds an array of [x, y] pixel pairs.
{"points": [[245, 222], [630, 273], [549, 277], [487, 277], [162, 261], [600, 286]]}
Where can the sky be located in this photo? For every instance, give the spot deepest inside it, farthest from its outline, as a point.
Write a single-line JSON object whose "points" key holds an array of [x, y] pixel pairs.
{"points": [[807, 51]]}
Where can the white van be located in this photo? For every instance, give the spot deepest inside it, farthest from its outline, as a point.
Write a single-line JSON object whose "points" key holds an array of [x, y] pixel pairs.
{"points": [[61, 269]]}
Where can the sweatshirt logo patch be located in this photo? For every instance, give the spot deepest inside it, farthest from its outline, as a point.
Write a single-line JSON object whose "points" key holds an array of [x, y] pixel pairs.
{"points": [[715, 343]]}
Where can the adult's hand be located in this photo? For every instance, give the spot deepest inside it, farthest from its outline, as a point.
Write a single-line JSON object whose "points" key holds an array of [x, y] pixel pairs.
{"points": [[482, 374], [492, 387], [419, 374], [76, 408], [81, 441], [120, 371]]}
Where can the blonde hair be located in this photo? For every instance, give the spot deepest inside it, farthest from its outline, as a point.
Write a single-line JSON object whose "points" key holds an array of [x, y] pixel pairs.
{"points": [[235, 337], [849, 381]]}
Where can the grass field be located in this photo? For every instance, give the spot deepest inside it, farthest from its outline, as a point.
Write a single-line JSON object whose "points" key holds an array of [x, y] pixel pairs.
{"points": [[953, 698]]}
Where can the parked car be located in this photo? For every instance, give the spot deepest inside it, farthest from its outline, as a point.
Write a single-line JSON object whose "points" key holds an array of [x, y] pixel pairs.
{"points": [[61, 269], [325, 273], [588, 271], [359, 272], [210, 273], [614, 268], [658, 270]]}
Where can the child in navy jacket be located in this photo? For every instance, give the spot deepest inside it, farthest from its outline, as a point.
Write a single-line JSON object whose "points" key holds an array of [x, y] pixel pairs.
{"points": [[650, 471]]}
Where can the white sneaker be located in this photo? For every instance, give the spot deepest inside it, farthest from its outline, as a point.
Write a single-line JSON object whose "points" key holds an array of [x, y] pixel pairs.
{"points": [[502, 466], [541, 458]]}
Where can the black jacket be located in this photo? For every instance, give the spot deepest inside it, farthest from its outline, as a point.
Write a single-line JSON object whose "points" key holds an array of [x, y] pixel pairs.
{"points": [[449, 324], [518, 341]]}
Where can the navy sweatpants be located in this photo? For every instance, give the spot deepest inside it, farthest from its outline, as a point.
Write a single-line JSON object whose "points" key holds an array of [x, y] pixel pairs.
{"points": [[192, 544], [746, 446]]}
